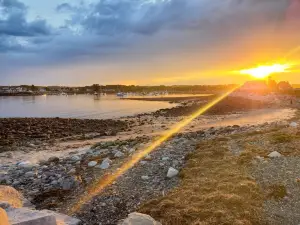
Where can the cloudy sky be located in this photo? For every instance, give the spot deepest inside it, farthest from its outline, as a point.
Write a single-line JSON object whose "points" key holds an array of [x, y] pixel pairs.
{"points": [[78, 42]]}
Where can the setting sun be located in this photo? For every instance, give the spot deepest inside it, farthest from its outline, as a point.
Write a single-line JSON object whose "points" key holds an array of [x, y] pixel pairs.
{"points": [[262, 72]]}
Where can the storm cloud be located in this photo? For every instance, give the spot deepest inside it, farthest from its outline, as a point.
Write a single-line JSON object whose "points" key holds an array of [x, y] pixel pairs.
{"points": [[111, 29]]}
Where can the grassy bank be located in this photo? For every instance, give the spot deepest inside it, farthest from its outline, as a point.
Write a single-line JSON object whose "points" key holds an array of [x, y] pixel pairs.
{"points": [[232, 180]]}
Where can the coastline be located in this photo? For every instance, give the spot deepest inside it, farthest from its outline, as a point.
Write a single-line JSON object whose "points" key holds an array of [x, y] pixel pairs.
{"points": [[65, 173]]}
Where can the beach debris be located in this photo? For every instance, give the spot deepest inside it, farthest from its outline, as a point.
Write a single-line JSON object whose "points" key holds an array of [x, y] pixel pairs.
{"points": [[172, 172], [274, 154], [293, 124]]}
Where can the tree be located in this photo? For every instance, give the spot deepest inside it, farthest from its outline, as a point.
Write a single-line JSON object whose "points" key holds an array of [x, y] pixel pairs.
{"points": [[96, 88]]}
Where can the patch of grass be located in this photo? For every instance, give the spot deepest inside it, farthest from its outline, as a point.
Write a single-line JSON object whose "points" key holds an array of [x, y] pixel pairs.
{"points": [[280, 137], [214, 189], [277, 191]]}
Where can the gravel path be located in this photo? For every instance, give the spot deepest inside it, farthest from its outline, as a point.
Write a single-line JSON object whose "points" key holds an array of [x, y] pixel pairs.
{"points": [[284, 172]]}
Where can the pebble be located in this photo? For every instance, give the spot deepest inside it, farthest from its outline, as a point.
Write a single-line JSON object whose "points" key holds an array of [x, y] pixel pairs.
{"points": [[105, 164], [75, 158], [92, 164], [29, 174], [172, 172], [145, 177], [119, 154]]}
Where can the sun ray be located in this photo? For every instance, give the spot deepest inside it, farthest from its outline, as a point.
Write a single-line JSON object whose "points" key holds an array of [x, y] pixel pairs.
{"points": [[105, 181]]}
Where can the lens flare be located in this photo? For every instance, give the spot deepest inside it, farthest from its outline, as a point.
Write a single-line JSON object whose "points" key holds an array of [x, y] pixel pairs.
{"points": [[262, 72], [107, 180]]}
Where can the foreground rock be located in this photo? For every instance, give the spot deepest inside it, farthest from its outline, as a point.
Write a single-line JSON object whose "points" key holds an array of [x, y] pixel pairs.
{"points": [[139, 219], [18, 215]]}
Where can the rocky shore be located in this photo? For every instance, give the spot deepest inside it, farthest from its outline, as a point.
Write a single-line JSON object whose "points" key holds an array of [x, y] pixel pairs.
{"points": [[32, 132], [57, 181]]}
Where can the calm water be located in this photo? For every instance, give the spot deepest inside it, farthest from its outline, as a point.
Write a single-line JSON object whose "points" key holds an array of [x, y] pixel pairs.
{"points": [[75, 106]]}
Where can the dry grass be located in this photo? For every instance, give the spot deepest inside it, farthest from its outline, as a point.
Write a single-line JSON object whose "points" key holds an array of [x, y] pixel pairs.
{"points": [[11, 196], [215, 189]]}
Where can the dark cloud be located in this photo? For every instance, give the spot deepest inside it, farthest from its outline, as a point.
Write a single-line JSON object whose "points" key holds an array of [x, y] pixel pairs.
{"points": [[64, 7], [112, 28], [14, 25]]}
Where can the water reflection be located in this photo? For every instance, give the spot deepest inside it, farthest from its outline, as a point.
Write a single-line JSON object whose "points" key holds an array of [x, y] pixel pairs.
{"points": [[75, 106]]}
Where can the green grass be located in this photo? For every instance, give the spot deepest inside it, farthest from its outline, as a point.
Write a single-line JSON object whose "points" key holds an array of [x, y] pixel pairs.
{"points": [[279, 137]]}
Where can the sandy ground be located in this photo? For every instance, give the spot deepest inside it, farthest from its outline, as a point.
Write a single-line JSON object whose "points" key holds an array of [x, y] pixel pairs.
{"points": [[152, 127]]}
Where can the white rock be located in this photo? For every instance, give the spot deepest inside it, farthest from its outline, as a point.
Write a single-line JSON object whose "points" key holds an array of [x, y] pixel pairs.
{"points": [[139, 219], [274, 155], [92, 163], [145, 177], [25, 164], [119, 154], [293, 124], [172, 172], [165, 158], [259, 158]]}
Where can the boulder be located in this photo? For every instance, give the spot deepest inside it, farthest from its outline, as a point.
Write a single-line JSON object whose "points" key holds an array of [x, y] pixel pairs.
{"points": [[11, 196], [172, 172], [274, 154], [3, 217], [139, 219]]}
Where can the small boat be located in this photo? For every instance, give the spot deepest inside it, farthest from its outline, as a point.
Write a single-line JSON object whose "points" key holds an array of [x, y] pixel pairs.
{"points": [[121, 94]]}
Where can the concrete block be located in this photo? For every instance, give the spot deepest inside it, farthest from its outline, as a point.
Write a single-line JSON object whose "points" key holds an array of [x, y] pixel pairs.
{"points": [[66, 220], [23, 216]]}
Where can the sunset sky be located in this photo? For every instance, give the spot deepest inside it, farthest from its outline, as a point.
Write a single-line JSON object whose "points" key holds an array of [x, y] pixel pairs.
{"points": [[146, 42]]}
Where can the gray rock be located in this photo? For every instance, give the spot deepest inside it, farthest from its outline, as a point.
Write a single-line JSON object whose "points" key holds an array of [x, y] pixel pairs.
{"points": [[75, 158], [69, 183], [145, 177], [172, 172], [92, 164], [119, 154], [29, 174], [25, 165], [139, 219], [165, 158], [275, 154], [53, 159], [105, 164], [24, 216]]}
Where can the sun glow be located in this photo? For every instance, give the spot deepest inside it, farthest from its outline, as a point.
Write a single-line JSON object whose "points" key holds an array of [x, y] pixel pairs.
{"points": [[262, 72]]}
